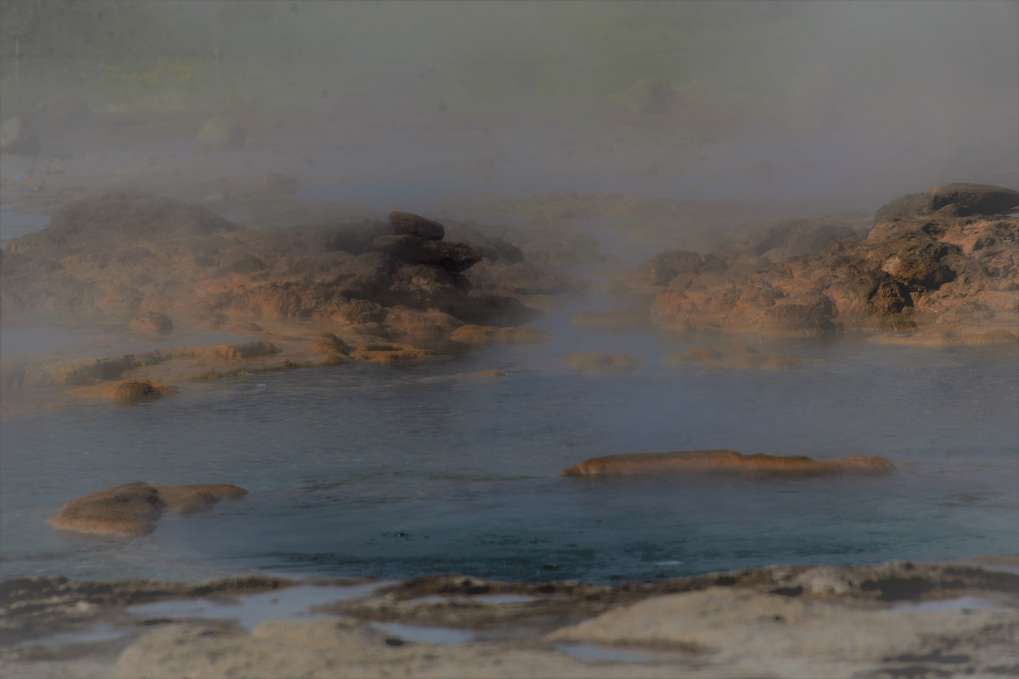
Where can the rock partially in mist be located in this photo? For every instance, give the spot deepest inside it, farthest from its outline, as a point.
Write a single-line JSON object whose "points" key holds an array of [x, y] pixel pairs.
{"points": [[137, 391], [18, 136], [934, 263], [134, 509], [222, 133], [152, 324], [727, 461], [410, 224], [974, 199]]}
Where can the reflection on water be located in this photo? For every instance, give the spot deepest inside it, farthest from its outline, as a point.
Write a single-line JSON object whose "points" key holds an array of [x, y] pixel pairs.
{"points": [[383, 472], [253, 609]]}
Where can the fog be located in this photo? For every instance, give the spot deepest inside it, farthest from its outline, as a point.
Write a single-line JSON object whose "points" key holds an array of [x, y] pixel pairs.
{"points": [[844, 104]]}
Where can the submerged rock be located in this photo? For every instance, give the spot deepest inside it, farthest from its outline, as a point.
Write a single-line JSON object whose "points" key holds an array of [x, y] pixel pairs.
{"points": [[726, 461], [133, 509]]}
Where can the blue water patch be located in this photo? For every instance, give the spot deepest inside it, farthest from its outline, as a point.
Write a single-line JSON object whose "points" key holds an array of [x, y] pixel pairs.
{"points": [[391, 473]]}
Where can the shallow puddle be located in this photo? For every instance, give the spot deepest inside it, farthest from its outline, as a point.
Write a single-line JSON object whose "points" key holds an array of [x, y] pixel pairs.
{"points": [[251, 610], [962, 603], [439, 636]]}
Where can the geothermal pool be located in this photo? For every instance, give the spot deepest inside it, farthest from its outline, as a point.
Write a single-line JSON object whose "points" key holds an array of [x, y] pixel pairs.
{"points": [[396, 472]]}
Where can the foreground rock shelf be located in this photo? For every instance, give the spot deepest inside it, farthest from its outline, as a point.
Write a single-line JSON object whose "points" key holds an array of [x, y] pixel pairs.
{"points": [[892, 620]]}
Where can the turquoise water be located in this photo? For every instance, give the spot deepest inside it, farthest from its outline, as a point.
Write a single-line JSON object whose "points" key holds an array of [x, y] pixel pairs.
{"points": [[395, 472]]}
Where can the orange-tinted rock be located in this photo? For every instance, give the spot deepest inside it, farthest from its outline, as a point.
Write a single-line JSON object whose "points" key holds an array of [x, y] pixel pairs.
{"points": [[726, 461], [152, 324], [137, 391], [122, 511], [134, 509], [194, 498]]}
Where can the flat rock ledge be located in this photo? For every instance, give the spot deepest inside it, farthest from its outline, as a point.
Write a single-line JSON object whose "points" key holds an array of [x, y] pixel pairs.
{"points": [[134, 509], [892, 620], [727, 462]]}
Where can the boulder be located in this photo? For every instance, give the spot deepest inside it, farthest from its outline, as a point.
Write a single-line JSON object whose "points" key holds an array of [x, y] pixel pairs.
{"points": [[726, 461], [128, 510], [974, 199], [137, 391], [410, 224]]}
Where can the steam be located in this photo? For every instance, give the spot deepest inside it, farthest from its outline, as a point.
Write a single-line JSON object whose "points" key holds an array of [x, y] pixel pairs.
{"points": [[847, 103]]}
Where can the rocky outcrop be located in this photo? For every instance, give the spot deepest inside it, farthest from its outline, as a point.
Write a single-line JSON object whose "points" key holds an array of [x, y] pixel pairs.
{"points": [[944, 264], [133, 509], [121, 255], [726, 461]]}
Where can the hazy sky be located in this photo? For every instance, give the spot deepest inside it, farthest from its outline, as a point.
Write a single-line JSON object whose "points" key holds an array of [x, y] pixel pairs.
{"points": [[859, 99]]}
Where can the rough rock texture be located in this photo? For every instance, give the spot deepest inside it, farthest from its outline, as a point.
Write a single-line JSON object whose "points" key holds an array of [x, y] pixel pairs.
{"points": [[862, 622], [941, 266], [122, 256], [726, 461], [133, 509]]}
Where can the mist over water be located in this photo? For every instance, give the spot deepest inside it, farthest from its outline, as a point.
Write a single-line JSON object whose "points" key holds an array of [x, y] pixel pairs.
{"points": [[596, 119]]}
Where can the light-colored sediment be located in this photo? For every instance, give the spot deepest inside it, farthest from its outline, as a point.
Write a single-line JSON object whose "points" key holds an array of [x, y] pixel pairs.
{"points": [[134, 509], [862, 622], [729, 462]]}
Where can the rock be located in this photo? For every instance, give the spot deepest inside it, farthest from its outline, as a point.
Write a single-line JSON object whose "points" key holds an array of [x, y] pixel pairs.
{"points": [[974, 199], [128, 510], [133, 509], [152, 324], [666, 266], [221, 133], [410, 224], [890, 297], [726, 461], [331, 347], [452, 257], [903, 207], [601, 363], [18, 137], [194, 498], [923, 267], [483, 335], [137, 391], [815, 319]]}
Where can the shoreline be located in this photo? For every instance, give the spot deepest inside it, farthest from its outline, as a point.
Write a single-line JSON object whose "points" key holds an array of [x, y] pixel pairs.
{"points": [[890, 620]]}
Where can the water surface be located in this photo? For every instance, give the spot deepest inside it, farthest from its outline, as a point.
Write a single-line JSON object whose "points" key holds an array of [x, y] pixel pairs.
{"points": [[391, 472]]}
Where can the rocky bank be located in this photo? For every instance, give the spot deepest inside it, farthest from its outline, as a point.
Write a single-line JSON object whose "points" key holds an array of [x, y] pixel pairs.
{"points": [[937, 268], [894, 620]]}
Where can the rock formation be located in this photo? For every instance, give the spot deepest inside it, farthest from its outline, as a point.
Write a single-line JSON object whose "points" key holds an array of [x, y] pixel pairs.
{"points": [[941, 267], [726, 461], [133, 509]]}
